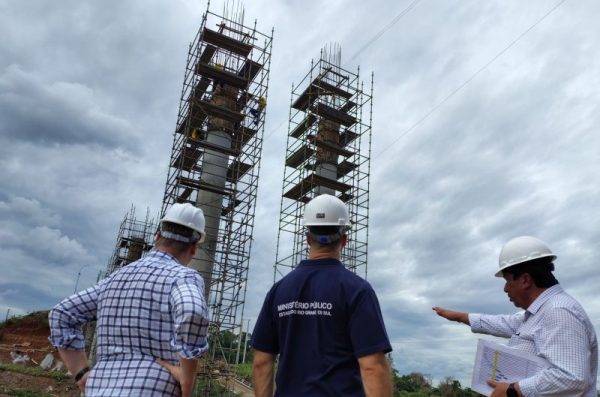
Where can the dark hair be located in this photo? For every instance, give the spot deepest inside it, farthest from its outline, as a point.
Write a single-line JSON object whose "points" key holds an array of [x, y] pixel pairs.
{"points": [[324, 230], [540, 271], [326, 235]]}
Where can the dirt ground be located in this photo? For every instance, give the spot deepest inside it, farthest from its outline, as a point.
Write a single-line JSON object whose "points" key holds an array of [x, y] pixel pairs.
{"points": [[38, 384], [29, 335]]}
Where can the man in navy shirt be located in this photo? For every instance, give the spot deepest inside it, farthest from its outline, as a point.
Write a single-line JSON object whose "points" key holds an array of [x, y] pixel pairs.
{"points": [[323, 320]]}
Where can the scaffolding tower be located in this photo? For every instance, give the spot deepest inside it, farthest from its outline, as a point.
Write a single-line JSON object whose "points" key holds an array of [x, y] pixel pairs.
{"points": [[135, 239], [214, 165], [328, 151]]}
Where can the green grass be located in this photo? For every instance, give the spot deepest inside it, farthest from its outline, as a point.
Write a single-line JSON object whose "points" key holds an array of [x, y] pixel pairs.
{"points": [[36, 320], [33, 371], [216, 390], [244, 371]]}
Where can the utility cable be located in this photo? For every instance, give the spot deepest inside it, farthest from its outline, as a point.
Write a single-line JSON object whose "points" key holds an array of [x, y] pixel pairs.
{"points": [[473, 76], [274, 130], [385, 29], [364, 47]]}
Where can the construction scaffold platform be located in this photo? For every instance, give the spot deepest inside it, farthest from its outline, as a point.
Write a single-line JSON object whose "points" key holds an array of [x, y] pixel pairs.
{"points": [[134, 239], [328, 151], [214, 165]]}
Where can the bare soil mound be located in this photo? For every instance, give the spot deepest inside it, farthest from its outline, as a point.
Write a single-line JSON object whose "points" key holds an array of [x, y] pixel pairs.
{"points": [[28, 335]]}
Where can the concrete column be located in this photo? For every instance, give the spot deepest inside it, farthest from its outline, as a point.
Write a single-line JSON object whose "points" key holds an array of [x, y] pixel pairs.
{"points": [[326, 165], [214, 172]]}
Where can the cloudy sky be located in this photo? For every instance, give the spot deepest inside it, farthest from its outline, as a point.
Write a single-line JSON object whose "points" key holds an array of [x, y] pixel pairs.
{"points": [[485, 127]]}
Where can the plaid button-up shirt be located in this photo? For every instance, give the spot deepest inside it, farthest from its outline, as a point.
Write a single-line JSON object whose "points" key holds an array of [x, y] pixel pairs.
{"points": [[556, 328], [152, 308]]}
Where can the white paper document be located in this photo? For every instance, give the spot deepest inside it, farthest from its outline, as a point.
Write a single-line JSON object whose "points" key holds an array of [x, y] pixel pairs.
{"points": [[503, 364]]}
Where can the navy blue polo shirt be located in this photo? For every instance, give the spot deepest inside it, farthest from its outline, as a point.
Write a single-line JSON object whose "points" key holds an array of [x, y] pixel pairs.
{"points": [[320, 318]]}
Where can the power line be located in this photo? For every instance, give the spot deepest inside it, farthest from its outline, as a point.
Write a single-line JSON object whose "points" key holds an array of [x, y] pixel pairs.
{"points": [[385, 29], [274, 129], [364, 47], [460, 87]]}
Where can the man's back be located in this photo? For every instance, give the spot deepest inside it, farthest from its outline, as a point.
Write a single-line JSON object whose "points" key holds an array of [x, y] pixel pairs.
{"points": [[150, 315], [134, 308], [320, 318], [152, 308]]}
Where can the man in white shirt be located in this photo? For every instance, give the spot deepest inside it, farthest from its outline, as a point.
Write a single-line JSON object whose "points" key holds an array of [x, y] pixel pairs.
{"points": [[553, 326]]}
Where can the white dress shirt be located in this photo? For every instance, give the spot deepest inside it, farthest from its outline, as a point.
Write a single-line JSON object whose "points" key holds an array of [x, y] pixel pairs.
{"points": [[556, 328]]}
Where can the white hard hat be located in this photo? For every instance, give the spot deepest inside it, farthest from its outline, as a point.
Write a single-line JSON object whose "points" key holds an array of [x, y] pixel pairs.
{"points": [[522, 249], [326, 210], [185, 215]]}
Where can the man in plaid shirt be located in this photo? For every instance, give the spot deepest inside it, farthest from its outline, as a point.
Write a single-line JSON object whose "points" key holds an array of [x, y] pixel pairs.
{"points": [[151, 315], [553, 326]]}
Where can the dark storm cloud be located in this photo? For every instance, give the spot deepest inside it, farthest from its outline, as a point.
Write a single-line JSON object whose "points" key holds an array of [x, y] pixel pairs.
{"points": [[25, 297], [22, 210], [45, 244], [503, 157], [79, 113], [89, 75], [49, 113], [88, 100]]}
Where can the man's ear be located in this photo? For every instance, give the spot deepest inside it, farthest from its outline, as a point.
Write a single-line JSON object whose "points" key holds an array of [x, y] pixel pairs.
{"points": [[308, 239], [527, 280], [344, 240], [193, 248]]}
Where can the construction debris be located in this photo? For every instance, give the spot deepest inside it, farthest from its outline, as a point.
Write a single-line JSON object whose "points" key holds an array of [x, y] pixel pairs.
{"points": [[47, 361], [59, 366], [18, 358]]}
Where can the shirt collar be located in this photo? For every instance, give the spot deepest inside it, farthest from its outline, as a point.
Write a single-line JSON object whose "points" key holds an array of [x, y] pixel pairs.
{"points": [[321, 262], [544, 296], [162, 254]]}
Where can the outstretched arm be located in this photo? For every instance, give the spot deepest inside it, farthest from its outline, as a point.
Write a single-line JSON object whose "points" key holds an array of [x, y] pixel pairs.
{"points": [[262, 373], [452, 315]]}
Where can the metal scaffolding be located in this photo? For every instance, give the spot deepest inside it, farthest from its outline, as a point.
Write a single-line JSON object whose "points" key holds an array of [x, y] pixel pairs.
{"points": [[135, 239], [214, 165], [328, 151]]}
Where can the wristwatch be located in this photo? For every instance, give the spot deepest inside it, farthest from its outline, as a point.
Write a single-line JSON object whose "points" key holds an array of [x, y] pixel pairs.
{"points": [[81, 373], [511, 391]]}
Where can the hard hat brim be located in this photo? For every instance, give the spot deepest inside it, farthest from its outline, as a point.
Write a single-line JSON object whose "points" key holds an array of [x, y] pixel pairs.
{"points": [[308, 224], [177, 222], [499, 273]]}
